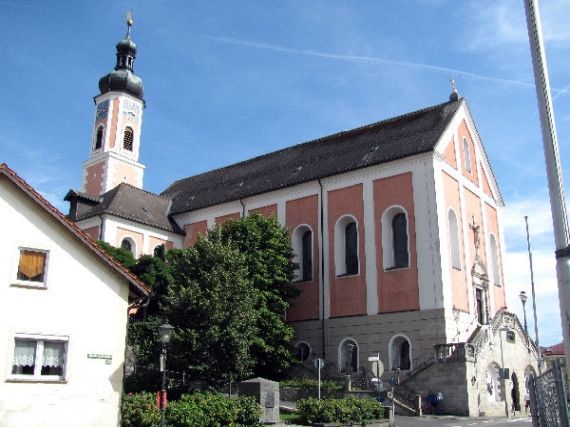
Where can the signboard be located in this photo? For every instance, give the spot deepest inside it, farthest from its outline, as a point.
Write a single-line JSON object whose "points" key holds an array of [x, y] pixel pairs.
{"points": [[374, 357], [106, 357], [377, 368], [319, 363]]}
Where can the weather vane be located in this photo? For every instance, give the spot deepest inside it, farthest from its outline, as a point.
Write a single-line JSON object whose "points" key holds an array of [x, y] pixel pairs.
{"points": [[129, 22]]}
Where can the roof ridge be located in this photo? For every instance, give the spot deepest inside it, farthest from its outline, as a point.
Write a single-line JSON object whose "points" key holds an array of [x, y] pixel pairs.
{"points": [[139, 189], [312, 141]]}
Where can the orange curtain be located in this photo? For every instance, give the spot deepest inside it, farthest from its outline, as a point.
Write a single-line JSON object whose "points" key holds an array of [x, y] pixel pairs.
{"points": [[31, 263]]}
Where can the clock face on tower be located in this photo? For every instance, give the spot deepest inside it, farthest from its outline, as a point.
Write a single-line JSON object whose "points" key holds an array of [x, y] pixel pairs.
{"points": [[102, 110], [131, 109]]}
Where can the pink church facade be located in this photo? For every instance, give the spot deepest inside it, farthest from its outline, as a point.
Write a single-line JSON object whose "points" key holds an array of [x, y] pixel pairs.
{"points": [[391, 225]]}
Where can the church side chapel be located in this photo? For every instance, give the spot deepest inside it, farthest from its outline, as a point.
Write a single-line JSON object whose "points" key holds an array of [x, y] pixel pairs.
{"points": [[395, 226]]}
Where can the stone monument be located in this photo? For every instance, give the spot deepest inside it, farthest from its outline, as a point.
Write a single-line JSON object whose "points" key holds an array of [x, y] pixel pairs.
{"points": [[266, 392]]}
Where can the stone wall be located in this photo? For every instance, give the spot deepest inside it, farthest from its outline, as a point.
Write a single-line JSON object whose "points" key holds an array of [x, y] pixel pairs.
{"points": [[424, 329]]}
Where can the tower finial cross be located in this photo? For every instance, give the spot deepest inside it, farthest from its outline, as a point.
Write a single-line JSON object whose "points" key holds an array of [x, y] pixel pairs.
{"points": [[129, 22], [453, 85]]}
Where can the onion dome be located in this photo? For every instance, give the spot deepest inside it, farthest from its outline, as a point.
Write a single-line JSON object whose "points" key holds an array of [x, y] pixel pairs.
{"points": [[123, 78]]}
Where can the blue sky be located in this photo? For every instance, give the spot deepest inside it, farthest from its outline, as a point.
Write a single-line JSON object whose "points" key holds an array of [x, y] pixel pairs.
{"points": [[228, 80]]}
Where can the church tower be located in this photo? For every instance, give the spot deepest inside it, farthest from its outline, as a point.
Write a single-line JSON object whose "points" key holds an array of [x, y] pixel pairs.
{"points": [[115, 142]]}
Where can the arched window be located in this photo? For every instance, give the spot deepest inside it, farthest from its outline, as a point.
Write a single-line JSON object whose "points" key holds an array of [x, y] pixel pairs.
{"points": [[128, 138], [400, 353], [466, 155], [129, 245], [395, 238], [99, 138], [303, 351], [302, 243], [348, 356], [454, 240], [400, 240], [495, 273], [346, 246], [493, 383], [351, 248], [307, 263], [158, 250]]}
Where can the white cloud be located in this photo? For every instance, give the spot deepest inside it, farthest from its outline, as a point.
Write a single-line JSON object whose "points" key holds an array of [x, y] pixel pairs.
{"points": [[517, 268], [504, 23], [373, 59]]}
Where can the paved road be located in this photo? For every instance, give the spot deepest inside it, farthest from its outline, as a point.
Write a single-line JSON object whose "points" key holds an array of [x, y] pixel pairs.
{"points": [[451, 421]]}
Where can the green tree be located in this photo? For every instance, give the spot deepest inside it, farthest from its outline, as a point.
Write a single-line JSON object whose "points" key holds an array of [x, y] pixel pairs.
{"points": [[212, 306], [268, 253], [124, 256]]}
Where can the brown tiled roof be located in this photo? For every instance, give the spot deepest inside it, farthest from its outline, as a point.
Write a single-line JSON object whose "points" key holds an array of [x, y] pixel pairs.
{"points": [[378, 143], [136, 285], [134, 204], [555, 350]]}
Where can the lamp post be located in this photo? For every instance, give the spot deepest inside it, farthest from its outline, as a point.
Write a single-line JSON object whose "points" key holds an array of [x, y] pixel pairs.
{"points": [[523, 298], [164, 332], [537, 342]]}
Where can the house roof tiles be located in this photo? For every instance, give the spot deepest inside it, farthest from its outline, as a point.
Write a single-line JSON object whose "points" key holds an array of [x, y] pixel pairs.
{"points": [[136, 285]]}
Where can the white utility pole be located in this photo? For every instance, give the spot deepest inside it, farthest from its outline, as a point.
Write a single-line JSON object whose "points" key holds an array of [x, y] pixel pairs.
{"points": [[553, 168]]}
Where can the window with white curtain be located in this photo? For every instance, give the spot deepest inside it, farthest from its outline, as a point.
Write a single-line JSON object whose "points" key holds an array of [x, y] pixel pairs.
{"points": [[39, 358]]}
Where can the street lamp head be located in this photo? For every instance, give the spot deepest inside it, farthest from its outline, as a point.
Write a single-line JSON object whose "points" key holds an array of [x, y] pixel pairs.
{"points": [[165, 331], [523, 297]]}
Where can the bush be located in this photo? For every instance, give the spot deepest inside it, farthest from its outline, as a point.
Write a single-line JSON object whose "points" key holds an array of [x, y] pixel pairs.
{"points": [[140, 410], [212, 410], [312, 384], [339, 410]]}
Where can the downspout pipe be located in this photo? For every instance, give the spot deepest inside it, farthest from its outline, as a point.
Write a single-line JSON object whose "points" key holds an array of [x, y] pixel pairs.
{"points": [[242, 208], [101, 231], [322, 218]]}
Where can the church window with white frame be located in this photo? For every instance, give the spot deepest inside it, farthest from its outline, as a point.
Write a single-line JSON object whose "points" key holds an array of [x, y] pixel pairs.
{"points": [[346, 246], [348, 356], [454, 249], [303, 351], [302, 243], [395, 242], [400, 353], [128, 244], [466, 155]]}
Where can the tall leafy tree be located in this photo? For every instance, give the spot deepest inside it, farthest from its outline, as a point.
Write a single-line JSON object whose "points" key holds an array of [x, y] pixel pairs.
{"points": [[212, 305], [226, 296], [268, 253]]}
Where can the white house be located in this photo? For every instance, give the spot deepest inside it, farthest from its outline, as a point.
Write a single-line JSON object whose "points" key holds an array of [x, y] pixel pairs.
{"points": [[63, 317]]}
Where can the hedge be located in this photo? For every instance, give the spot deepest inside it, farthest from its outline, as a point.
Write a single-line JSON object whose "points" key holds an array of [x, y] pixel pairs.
{"points": [[312, 384], [346, 410], [140, 410], [191, 410]]}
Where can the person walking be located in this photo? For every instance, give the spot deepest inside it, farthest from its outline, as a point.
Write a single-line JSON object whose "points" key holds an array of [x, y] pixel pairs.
{"points": [[526, 403]]}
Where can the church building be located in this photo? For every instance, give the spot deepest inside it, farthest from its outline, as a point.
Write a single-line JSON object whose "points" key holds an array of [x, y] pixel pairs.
{"points": [[396, 228]]}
